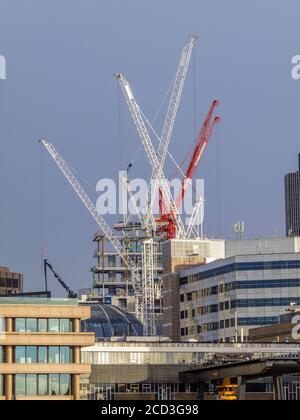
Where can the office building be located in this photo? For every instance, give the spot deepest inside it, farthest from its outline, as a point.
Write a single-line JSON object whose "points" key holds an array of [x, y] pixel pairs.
{"points": [[40, 348], [178, 255], [10, 283], [292, 202], [223, 300]]}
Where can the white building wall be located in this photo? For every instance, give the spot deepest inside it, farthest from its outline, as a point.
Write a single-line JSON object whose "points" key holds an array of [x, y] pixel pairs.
{"points": [[200, 301]]}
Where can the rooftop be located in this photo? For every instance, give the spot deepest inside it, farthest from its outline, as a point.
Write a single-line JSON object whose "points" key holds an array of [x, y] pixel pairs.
{"points": [[19, 300]]}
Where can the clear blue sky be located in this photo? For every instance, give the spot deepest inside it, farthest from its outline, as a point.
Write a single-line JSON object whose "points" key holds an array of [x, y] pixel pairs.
{"points": [[61, 56]]}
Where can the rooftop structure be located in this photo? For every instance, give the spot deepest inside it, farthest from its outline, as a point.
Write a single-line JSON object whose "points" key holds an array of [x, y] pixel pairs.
{"points": [[108, 321]]}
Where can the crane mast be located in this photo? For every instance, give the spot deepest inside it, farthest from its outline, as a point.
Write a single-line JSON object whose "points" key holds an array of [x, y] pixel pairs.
{"points": [[175, 100], [158, 175], [148, 268]]}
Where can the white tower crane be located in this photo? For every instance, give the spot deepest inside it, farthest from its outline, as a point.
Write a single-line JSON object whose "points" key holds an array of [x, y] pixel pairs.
{"points": [[151, 154], [175, 101], [144, 313]]}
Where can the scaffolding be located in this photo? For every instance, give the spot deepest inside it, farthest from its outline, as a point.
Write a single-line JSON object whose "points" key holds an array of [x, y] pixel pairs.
{"points": [[112, 280]]}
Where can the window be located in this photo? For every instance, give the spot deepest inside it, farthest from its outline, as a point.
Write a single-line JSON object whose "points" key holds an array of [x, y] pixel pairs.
{"points": [[20, 385], [54, 355], [65, 325], [31, 354], [1, 384], [54, 385], [31, 385], [20, 354], [20, 325], [54, 325], [65, 385], [31, 325], [43, 355], [65, 356], [43, 385], [42, 325]]}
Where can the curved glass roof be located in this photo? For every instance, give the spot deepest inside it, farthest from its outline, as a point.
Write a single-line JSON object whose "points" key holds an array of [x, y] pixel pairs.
{"points": [[109, 321]]}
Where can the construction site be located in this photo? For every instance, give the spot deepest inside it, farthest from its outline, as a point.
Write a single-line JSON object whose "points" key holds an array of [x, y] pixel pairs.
{"points": [[146, 265], [133, 269], [158, 301]]}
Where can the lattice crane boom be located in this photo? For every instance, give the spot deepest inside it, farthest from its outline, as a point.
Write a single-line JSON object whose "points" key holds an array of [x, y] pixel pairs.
{"points": [[151, 154], [175, 100], [109, 234], [199, 149]]}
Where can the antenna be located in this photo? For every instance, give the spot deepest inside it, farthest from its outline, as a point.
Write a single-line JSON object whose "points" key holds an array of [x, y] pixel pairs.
{"points": [[239, 229]]}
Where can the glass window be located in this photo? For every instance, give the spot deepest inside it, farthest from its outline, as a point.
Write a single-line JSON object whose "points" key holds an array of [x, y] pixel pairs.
{"points": [[53, 384], [20, 385], [43, 385], [31, 384], [42, 325], [20, 325], [20, 354], [65, 325], [54, 325], [31, 325], [65, 355], [54, 355], [65, 384], [31, 354], [42, 355]]}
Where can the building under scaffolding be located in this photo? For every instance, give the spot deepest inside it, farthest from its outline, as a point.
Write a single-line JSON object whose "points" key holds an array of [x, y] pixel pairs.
{"points": [[112, 280]]}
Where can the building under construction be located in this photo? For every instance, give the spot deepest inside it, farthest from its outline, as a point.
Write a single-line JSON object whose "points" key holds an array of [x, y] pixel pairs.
{"points": [[112, 280], [128, 271]]}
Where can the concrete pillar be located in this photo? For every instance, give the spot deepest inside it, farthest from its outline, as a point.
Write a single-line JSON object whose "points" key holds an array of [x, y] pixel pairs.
{"points": [[9, 354], [77, 355], [241, 388], [9, 325], [76, 326], [8, 387], [76, 387]]}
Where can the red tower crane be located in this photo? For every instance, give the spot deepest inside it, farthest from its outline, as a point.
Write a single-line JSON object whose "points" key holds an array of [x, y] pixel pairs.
{"points": [[166, 220]]}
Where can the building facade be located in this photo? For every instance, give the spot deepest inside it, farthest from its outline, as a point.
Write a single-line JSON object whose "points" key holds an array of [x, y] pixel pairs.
{"points": [[40, 348], [112, 280], [223, 300], [138, 370], [178, 255], [10, 283], [292, 202]]}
